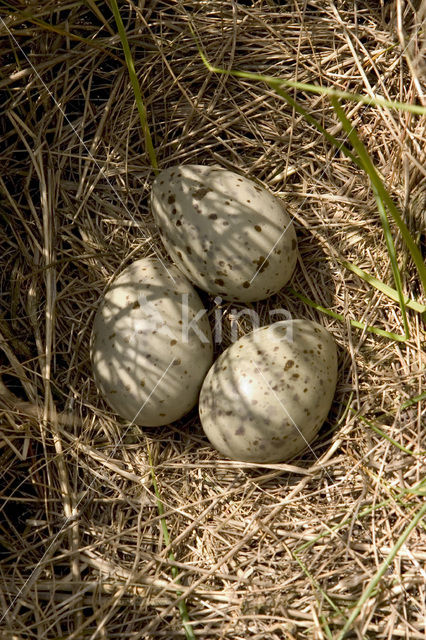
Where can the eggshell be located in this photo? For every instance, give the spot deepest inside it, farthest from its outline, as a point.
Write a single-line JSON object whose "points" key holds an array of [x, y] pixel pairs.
{"points": [[227, 234], [151, 344], [267, 395]]}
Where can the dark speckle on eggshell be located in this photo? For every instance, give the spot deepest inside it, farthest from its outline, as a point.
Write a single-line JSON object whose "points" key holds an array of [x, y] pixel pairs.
{"points": [[215, 199], [124, 372], [201, 193], [279, 418]]}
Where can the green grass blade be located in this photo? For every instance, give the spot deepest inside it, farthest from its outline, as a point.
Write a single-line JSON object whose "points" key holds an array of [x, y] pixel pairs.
{"points": [[371, 587], [311, 88], [384, 288], [394, 262], [277, 83], [375, 181], [316, 584], [388, 438], [309, 118], [418, 490], [278, 89], [413, 248], [415, 400], [402, 492], [135, 85], [380, 191], [341, 318], [189, 632], [326, 628]]}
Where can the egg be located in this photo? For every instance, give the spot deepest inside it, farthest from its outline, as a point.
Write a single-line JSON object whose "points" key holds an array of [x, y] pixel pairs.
{"points": [[151, 344], [267, 395], [228, 235]]}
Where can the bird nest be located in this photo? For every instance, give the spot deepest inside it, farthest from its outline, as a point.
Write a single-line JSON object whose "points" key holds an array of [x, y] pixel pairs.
{"points": [[109, 530]]}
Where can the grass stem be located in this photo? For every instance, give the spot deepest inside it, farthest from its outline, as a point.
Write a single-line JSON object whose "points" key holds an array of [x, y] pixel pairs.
{"points": [[135, 85]]}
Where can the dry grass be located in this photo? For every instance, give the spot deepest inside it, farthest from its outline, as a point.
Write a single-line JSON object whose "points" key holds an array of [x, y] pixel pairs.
{"points": [[81, 546]]}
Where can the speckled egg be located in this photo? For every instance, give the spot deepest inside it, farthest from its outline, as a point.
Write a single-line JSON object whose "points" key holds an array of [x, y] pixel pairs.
{"points": [[267, 395], [227, 234], [151, 344]]}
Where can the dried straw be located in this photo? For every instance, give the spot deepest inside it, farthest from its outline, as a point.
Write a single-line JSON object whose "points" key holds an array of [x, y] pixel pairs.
{"points": [[282, 551]]}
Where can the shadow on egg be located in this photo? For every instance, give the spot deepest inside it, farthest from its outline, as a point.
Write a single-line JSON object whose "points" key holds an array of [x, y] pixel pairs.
{"points": [[150, 351], [230, 236], [266, 397], [233, 239]]}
